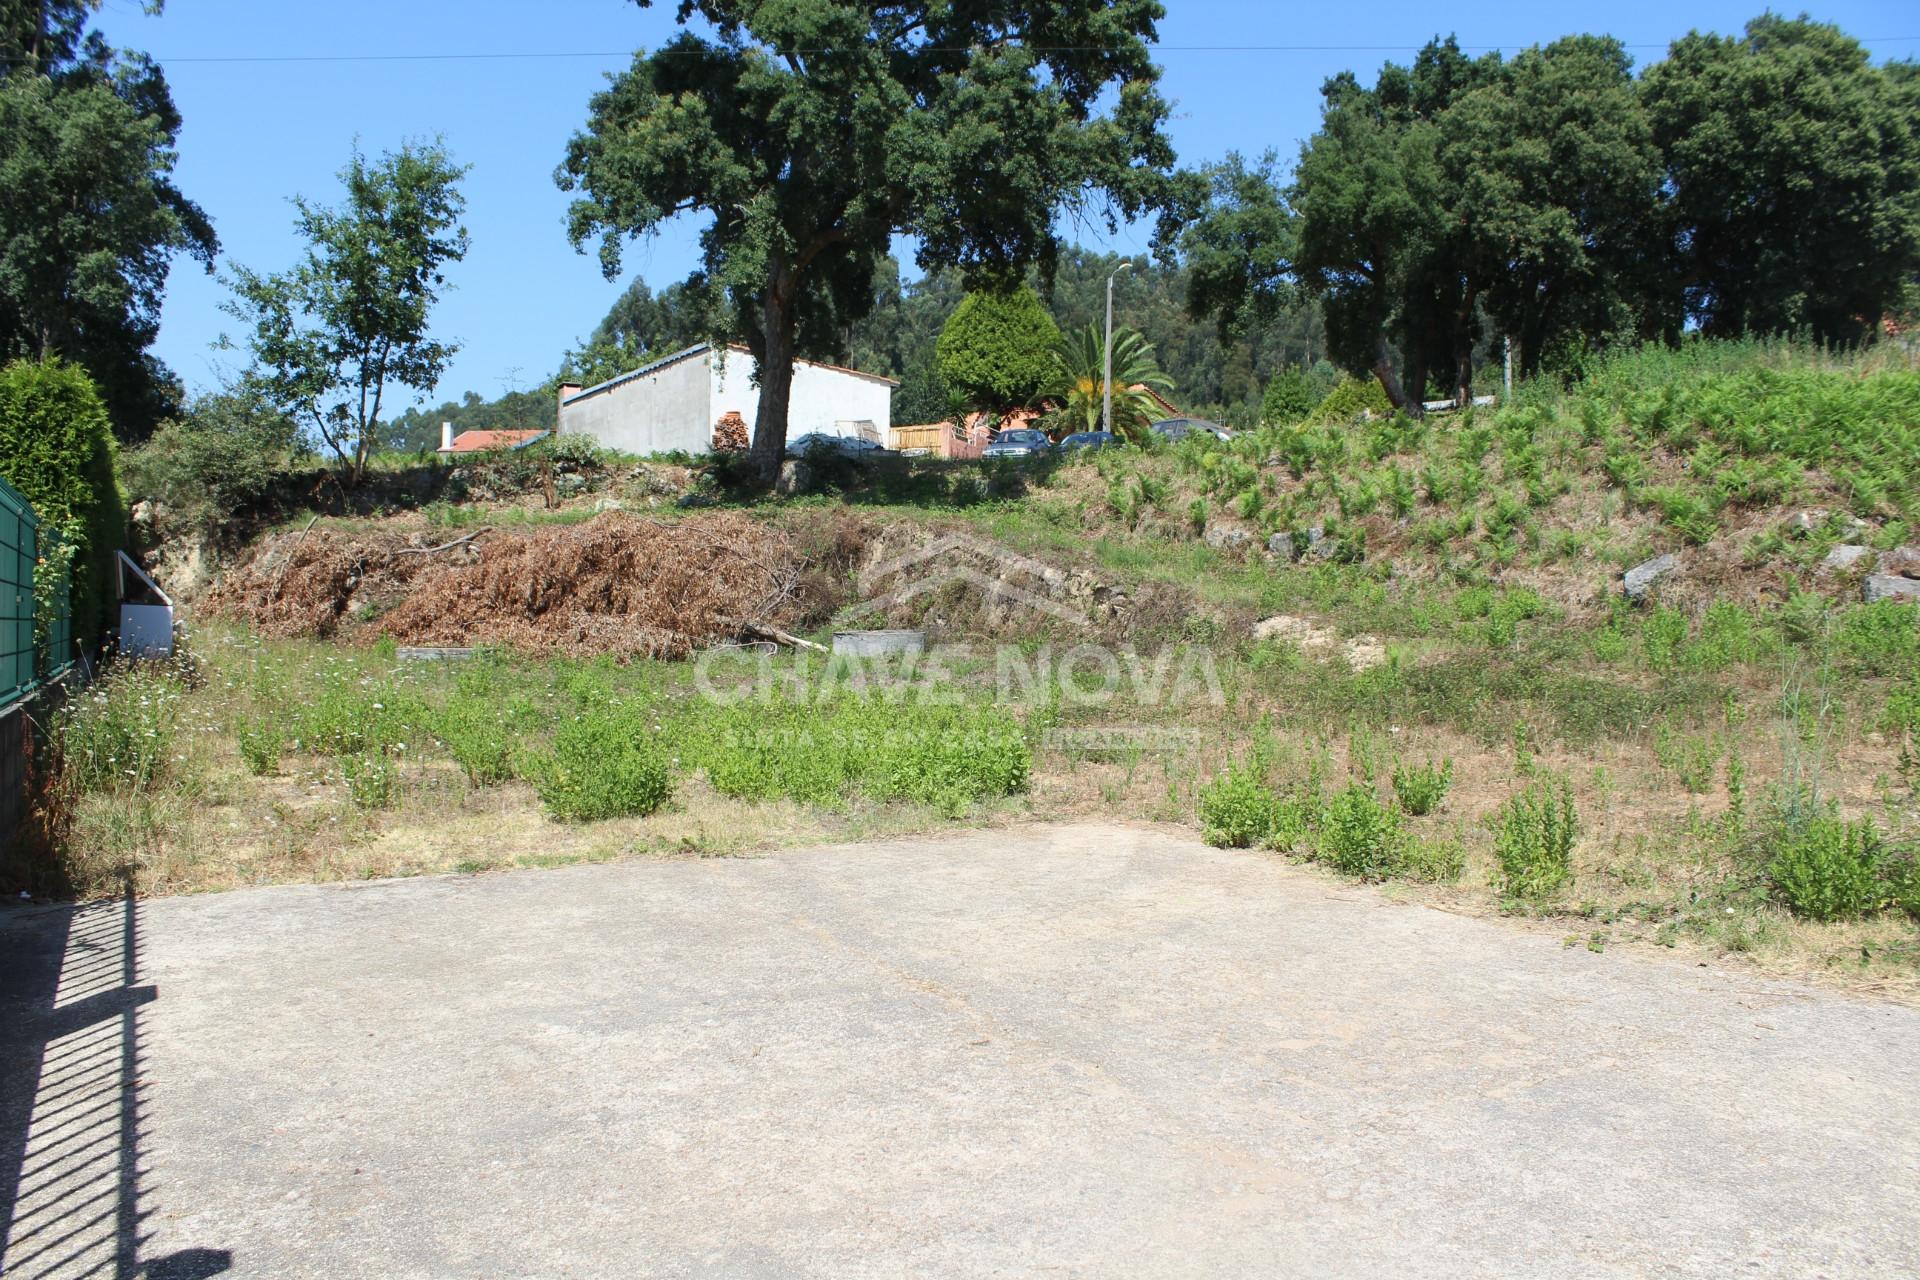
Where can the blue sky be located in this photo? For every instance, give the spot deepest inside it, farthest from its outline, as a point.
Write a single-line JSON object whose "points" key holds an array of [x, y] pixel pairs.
{"points": [[258, 131]]}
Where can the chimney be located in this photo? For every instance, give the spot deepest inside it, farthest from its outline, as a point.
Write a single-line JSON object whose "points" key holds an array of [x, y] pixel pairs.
{"points": [[559, 418], [446, 437]]}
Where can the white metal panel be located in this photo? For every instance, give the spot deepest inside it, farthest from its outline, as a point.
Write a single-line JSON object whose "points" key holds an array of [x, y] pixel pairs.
{"points": [[146, 630]]}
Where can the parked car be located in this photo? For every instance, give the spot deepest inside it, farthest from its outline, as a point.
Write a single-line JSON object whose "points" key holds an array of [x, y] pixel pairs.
{"points": [[1018, 442], [1176, 429], [852, 446], [1088, 440]]}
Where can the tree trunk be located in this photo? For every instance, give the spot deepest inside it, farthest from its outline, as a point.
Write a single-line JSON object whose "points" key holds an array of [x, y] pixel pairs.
{"points": [[1383, 370], [776, 378]]}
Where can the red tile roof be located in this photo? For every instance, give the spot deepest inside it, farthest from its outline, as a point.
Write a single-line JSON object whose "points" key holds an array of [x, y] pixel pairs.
{"points": [[481, 441]]}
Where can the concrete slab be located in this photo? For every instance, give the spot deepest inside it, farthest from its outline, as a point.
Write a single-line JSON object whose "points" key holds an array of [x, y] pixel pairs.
{"points": [[1049, 1051]]}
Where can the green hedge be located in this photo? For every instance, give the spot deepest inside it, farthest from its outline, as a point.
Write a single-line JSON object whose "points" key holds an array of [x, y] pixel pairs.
{"points": [[56, 447]]}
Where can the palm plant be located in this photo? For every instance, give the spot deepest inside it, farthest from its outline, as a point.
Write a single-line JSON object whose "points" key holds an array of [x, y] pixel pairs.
{"points": [[1075, 383]]}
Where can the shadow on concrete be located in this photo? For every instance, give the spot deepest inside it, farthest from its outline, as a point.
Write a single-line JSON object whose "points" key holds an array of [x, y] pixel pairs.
{"points": [[71, 1170]]}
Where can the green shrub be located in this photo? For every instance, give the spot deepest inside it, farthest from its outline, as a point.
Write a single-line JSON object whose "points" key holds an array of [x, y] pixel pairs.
{"points": [[261, 741], [1237, 809], [1359, 836], [1533, 843], [371, 778], [996, 348], [222, 455], [1289, 397], [1295, 819], [1352, 397], [56, 448], [1421, 790], [606, 764], [1826, 869]]}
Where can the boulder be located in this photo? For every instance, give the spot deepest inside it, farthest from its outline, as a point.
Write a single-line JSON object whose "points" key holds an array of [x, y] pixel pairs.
{"points": [[1319, 545], [1904, 561], [1640, 579], [1222, 538], [697, 500], [1281, 544], [1887, 586], [1844, 557]]}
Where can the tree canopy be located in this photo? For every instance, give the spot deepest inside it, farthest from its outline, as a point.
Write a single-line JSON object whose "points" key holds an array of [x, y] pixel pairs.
{"points": [[333, 332], [994, 350], [1794, 170], [1761, 184], [89, 217], [811, 132]]}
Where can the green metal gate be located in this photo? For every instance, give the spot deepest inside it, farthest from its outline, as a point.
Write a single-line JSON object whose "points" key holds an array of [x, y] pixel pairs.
{"points": [[23, 662]]}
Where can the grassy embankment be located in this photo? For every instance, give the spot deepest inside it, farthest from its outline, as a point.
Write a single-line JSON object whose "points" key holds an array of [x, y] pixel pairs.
{"points": [[1731, 763]]}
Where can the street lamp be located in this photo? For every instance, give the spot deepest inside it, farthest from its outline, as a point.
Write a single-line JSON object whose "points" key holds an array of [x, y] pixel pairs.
{"points": [[1106, 368]]}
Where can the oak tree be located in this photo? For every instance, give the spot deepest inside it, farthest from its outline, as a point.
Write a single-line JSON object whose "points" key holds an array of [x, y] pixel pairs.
{"points": [[810, 133]]}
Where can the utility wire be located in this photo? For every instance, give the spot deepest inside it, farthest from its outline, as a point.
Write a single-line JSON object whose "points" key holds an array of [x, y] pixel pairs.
{"points": [[628, 53]]}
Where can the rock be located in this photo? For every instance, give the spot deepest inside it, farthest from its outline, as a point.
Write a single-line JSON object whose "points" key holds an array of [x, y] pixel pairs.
{"points": [[1361, 652], [1904, 561], [1281, 544], [1887, 586], [692, 500], [1844, 557], [1221, 538], [1805, 522], [1640, 579], [609, 504], [1319, 545]]}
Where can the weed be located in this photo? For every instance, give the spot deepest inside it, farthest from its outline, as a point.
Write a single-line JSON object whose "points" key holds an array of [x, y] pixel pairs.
{"points": [[119, 734], [1237, 809], [477, 737], [1826, 869], [1432, 861], [1533, 843], [1421, 790], [370, 777], [261, 741], [603, 765], [1359, 836]]}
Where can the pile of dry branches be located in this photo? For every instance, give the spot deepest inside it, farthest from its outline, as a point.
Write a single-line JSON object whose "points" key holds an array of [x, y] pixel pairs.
{"points": [[620, 584]]}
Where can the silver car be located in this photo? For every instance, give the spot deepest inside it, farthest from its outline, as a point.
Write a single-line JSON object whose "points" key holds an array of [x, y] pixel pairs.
{"points": [[1018, 442]]}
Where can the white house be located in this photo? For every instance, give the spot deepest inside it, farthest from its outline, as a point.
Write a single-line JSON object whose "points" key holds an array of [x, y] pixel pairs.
{"points": [[676, 402]]}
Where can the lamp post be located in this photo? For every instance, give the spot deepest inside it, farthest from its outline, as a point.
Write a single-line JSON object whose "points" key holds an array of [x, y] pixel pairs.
{"points": [[1106, 367]]}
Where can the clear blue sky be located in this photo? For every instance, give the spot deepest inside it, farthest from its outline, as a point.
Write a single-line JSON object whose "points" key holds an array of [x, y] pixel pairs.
{"points": [[259, 131]]}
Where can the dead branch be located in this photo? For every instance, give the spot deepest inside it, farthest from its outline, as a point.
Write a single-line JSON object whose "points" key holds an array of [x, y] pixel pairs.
{"points": [[784, 637], [445, 546]]}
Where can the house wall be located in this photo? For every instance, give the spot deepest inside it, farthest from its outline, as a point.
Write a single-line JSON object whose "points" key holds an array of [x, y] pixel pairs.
{"points": [[826, 400], [675, 407], [667, 409]]}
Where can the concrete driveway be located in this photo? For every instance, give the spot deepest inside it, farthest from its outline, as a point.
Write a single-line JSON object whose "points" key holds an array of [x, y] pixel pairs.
{"points": [[1050, 1051]]}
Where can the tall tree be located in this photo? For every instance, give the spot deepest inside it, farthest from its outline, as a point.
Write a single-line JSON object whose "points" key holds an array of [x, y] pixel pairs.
{"points": [[331, 334], [89, 217], [1554, 183], [813, 131], [1795, 178]]}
